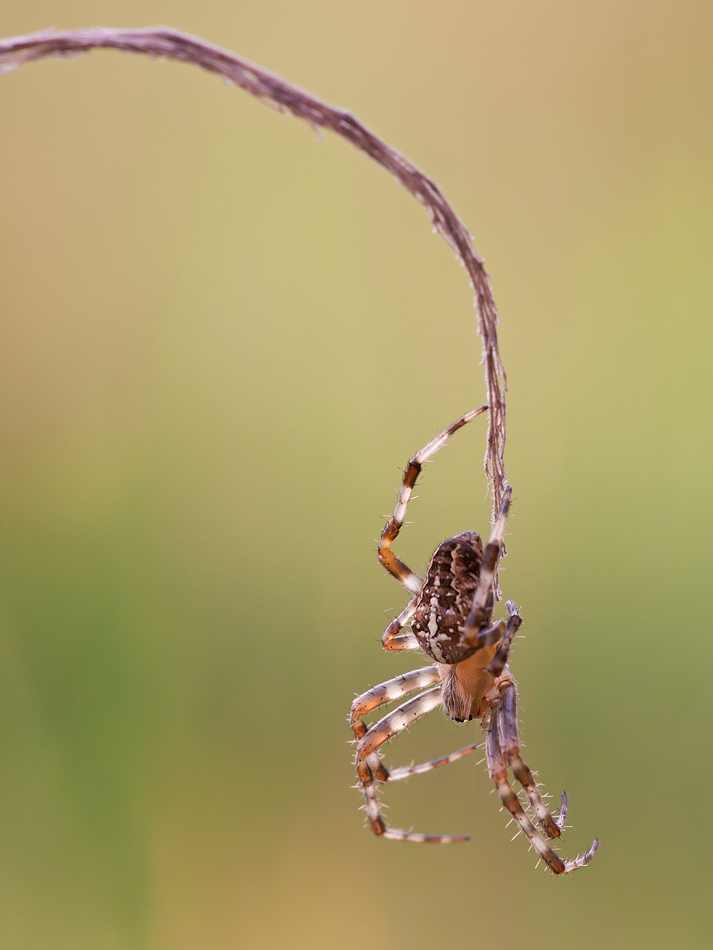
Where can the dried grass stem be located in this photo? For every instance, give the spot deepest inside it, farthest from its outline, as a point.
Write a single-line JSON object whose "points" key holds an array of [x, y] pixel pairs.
{"points": [[171, 44]]}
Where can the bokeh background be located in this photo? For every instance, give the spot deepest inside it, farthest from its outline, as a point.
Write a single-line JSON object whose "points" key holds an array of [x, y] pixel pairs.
{"points": [[222, 339]]}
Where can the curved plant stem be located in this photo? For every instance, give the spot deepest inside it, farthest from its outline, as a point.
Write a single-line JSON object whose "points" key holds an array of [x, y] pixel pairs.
{"points": [[171, 44]]}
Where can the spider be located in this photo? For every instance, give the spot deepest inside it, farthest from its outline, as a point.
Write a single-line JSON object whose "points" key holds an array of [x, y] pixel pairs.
{"points": [[450, 613]]}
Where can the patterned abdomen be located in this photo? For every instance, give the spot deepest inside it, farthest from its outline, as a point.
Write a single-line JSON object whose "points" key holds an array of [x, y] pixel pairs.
{"points": [[447, 597]]}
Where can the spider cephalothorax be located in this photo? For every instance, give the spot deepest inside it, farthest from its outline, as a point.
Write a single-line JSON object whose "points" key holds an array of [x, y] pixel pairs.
{"points": [[450, 614]]}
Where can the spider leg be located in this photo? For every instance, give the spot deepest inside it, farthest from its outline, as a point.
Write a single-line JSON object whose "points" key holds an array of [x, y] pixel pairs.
{"points": [[499, 632], [480, 608], [502, 749], [509, 741], [395, 775], [498, 770], [499, 661], [407, 641], [388, 692], [394, 565], [369, 767]]}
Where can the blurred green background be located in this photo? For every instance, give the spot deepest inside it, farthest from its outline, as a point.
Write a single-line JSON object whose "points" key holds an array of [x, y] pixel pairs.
{"points": [[221, 341]]}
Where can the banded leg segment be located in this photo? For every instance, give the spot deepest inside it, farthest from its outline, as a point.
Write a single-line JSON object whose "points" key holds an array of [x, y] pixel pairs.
{"points": [[476, 617], [388, 692], [406, 641], [499, 661], [498, 768], [403, 574], [505, 633], [369, 767], [509, 742], [395, 775]]}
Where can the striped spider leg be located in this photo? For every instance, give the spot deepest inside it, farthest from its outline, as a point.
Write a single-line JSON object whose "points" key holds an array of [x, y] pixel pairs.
{"points": [[368, 761], [451, 617], [403, 574], [502, 751]]}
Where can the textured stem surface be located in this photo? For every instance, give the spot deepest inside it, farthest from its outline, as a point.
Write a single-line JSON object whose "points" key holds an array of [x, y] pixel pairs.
{"points": [[171, 44]]}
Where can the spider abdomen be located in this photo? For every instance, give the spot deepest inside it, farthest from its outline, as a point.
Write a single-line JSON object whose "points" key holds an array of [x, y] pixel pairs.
{"points": [[446, 598]]}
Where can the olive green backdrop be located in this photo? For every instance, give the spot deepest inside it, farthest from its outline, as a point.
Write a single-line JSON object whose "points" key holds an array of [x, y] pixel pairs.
{"points": [[221, 341]]}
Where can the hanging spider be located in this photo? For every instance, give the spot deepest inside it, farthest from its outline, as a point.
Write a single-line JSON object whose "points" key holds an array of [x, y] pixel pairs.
{"points": [[450, 613]]}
